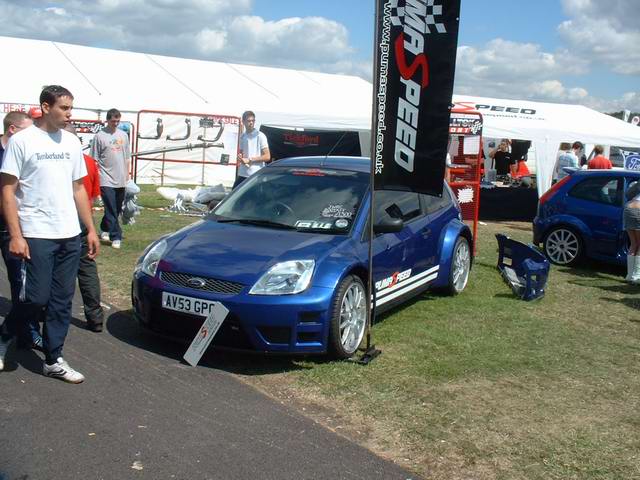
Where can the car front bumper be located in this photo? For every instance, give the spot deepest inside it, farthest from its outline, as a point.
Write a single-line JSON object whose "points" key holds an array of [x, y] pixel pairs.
{"points": [[265, 323]]}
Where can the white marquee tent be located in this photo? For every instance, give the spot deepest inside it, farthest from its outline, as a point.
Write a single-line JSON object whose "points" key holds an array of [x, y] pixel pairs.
{"points": [[101, 79], [547, 125]]}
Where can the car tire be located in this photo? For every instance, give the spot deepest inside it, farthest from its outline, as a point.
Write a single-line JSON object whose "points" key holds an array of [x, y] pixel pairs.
{"points": [[460, 267], [349, 317], [563, 246]]}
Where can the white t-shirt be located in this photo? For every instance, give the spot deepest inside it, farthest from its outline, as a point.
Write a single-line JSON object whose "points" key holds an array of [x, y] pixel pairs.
{"points": [[251, 145], [45, 164]]}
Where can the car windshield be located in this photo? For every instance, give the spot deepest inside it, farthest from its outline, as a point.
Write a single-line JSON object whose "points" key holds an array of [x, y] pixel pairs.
{"points": [[304, 199]]}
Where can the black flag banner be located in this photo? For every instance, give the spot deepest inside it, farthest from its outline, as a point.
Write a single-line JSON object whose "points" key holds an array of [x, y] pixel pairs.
{"points": [[415, 66]]}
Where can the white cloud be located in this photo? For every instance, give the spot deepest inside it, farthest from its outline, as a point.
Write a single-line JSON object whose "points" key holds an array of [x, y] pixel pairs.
{"points": [[205, 29], [518, 70], [211, 41], [604, 33], [507, 69]]}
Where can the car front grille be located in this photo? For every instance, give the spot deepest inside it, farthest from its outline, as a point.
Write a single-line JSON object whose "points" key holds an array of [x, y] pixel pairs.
{"points": [[183, 327], [210, 284]]}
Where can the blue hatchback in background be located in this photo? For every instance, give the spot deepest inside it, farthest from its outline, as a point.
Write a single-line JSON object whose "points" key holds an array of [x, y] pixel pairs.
{"points": [[581, 216], [287, 254]]}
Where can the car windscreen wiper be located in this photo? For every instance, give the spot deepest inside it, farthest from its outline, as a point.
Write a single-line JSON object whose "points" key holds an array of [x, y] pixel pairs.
{"points": [[256, 221]]}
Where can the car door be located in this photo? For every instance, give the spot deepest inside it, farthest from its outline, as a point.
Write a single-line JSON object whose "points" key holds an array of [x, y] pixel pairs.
{"points": [[439, 214], [396, 256], [597, 201]]}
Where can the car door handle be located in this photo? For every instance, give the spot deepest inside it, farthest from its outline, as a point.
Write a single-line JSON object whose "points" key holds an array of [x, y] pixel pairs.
{"points": [[426, 233]]}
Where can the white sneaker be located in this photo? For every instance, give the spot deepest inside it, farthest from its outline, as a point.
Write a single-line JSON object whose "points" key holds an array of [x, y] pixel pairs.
{"points": [[63, 371], [104, 236], [116, 244]]}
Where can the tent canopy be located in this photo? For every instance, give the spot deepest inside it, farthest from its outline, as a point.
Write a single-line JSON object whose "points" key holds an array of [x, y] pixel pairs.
{"points": [[101, 79]]}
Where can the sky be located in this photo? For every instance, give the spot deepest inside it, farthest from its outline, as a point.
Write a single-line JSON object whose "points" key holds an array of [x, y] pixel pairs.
{"points": [[568, 51]]}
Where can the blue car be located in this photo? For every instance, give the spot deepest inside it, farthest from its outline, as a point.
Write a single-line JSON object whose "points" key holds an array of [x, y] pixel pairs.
{"points": [[287, 254], [581, 216]]}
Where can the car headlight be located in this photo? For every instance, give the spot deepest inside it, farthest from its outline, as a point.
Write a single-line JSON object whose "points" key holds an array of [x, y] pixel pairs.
{"points": [[149, 262], [285, 278]]}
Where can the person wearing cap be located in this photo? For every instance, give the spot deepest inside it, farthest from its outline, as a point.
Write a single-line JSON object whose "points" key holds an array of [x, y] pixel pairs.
{"points": [[568, 159], [110, 148], [30, 337]]}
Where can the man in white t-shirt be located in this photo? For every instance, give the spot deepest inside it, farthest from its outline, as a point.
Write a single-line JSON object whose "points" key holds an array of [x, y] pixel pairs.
{"points": [[254, 149], [42, 197]]}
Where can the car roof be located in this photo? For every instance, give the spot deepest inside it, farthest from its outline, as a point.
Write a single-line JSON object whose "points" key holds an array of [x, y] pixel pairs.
{"points": [[613, 172], [355, 164]]}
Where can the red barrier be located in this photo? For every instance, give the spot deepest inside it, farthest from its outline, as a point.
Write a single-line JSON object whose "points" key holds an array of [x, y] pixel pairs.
{"points": [[464, 170]]}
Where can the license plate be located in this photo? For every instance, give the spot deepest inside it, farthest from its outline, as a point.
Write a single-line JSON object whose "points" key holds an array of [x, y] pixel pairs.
{"points": [[180, 303]]}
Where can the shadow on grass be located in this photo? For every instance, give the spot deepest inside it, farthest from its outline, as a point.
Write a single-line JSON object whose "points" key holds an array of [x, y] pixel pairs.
{"points": [[423, 297], [122, 326], [593, 268], [632, 303], [522, 226]]}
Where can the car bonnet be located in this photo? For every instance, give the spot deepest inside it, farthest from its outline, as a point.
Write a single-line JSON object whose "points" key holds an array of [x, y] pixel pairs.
{"points": [[243, 253]]}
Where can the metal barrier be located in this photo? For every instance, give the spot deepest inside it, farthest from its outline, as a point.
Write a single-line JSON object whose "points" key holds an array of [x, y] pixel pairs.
{"points": [[197, 135]]}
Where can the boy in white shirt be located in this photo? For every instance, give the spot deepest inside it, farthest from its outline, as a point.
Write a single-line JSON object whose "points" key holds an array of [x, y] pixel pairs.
{"points": [[42, 196]]}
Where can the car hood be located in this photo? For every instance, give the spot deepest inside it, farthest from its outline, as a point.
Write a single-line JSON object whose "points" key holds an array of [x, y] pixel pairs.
{"points": [[242, 253]]}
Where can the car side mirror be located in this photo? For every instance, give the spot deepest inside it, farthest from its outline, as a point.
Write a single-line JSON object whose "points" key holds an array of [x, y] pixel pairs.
{"points": [[388, 225]]}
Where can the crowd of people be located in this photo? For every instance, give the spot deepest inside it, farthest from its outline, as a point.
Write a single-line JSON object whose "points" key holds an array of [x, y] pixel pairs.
{"points": [[48, 237], [573, 156]]}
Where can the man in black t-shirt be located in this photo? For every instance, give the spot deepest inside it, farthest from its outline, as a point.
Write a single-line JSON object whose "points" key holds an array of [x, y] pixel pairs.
{"points": [[502, 158]]}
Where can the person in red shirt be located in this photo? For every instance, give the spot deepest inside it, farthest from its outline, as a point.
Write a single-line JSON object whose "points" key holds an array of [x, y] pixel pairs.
{"points": [[88, 279], [599, 162]]}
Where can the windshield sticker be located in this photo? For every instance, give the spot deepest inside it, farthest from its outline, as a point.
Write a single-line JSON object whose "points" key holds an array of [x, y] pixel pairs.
{"points": [[336, 211], [342, 223], [313, 225]]}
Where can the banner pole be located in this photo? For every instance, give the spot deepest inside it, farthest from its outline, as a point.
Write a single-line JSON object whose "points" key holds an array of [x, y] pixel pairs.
{"points": [[370, 350]]}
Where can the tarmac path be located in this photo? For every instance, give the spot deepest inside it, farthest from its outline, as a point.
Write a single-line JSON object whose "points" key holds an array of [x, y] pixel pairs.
{"points": [[142, 413]]}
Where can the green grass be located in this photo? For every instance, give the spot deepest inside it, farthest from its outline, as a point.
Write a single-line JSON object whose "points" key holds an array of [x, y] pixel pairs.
{"points": [[481, 385]]}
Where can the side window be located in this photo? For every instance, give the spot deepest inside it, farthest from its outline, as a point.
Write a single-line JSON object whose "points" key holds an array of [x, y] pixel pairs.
{"points": [[433, 204], [404, 205], [604, 190]]}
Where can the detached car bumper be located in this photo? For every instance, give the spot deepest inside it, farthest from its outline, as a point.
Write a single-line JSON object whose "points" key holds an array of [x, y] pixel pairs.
{"points": [[265, 323]]}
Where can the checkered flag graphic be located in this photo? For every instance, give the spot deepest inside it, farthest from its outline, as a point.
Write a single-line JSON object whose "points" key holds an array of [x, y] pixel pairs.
{"points": [[434, 11]]}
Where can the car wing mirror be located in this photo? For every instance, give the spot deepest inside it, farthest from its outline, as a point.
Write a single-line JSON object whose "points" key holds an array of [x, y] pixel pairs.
{"points": [[388, 225]]}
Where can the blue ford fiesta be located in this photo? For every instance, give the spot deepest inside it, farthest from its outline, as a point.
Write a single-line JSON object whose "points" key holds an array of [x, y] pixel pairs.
{"points": [[287, 254]]}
